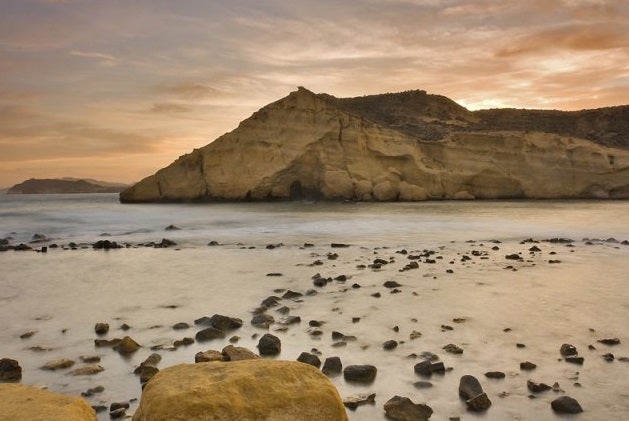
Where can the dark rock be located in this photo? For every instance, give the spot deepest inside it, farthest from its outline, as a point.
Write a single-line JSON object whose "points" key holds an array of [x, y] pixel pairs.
{"points": [[567, 350], [422, 385], [271, 301], [513, 257], [400, 408], [566, 405], [575, 360], [223, 323], [360, 373], [609, 341], [495, 375], [320, 282], [165, 243], [269, 345], [471, 391], [181, 326], [172, 228], [389, 345], [527, 365], [308, 358], [332, 365], [118, 405], [537, 387], [535, 248], [290, 295], [391, 284], [609, 357], [27, 335], [10, 370], [118, 413], [183, 342], [91, 359], [339, 245], [353, 402], [105, 245], [209, 333], [92, 391], [262, 320], [376, 295], [453, 349], [101, 328], [290, 320]]}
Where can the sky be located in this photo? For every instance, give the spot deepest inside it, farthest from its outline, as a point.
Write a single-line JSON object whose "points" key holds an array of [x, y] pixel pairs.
{"points": [[116, 89]]}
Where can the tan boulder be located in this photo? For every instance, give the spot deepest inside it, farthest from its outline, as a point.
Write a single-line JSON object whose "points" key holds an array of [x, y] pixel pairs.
{"points": [[385, 191], [337, 185], [245, 390], [363, 189], [26, 403]]}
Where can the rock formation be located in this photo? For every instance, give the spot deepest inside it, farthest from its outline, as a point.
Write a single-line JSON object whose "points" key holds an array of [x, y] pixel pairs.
{"points": [[26, 403], [56, 185], [407, 147], [244, 390]]}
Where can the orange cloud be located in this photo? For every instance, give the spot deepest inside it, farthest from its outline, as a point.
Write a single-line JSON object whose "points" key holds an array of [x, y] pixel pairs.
{"points": [[577, 37]]}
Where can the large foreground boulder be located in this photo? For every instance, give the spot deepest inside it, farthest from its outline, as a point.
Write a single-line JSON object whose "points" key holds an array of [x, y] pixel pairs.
{"points": [[25, 403], [245, 390]]}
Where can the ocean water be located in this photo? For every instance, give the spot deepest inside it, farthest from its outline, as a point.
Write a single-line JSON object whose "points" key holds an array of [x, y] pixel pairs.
{"points": [[579, 299]]}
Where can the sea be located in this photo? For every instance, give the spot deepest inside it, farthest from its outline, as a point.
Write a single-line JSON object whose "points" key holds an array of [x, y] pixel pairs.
{"points": [[479, 284]]}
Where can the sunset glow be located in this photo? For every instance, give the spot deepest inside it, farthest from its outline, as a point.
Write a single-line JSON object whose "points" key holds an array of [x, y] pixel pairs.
{"points": [[115, 90]]}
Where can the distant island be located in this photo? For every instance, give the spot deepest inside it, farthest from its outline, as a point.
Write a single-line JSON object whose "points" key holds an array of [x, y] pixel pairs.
{"points": [[407, 146], [65, 185]]}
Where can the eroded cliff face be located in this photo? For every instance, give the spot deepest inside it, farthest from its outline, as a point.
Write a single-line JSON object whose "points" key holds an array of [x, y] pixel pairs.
{"points": [[305, 146]]}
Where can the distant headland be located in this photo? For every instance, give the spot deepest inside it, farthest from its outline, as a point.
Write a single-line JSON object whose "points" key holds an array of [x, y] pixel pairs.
{"points": [[65, 185]]}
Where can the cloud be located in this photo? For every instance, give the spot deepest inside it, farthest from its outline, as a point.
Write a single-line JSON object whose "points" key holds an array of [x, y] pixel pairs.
{"points": [[105, 59], [568, 37], [170, 108], [189, 91]]}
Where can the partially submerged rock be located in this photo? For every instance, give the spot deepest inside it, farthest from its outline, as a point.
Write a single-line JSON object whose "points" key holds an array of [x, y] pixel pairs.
{"points": [[472, 392], [10, 370], [400, 408], [26, 403], [247, 390], [566, 405]]}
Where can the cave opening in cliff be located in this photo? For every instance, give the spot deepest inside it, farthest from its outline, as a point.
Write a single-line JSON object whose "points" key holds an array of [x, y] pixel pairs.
{"points": [[296, 191]]}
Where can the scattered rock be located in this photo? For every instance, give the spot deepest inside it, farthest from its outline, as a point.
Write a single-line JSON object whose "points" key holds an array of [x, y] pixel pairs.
{"points": [[10, 370], [537, 387], [87, 370], [263, 321], [609, 341], [527, 366], [269, 345], [27, 335], [101, 328], [360, 373], [400, 408], [389, 345], [354, 401], [127, 346], [332, 365], [609, 357], [308, 358], [291, 295], [453, 349], [181, 326], [209, 333], [58, 364], [172, 228], [574, 360], [566, 405], [391, 284], [568, 350], [422, 385], [90, 359], [471, 391], [495, 375], [209, 355]]}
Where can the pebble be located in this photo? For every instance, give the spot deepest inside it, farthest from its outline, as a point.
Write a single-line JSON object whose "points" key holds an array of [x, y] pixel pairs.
{"points": [[400, 408], [360, 373], [354, 401]]}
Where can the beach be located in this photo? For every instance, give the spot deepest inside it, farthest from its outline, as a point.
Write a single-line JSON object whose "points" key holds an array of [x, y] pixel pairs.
{"points": [[461, 290]]}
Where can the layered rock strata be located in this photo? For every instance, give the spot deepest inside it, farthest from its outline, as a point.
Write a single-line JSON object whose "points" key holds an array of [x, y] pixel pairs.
{"points": [[306, 146]]}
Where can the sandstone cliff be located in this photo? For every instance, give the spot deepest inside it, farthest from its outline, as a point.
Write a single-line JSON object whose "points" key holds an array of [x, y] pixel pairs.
{"points": [[319, 147]]}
